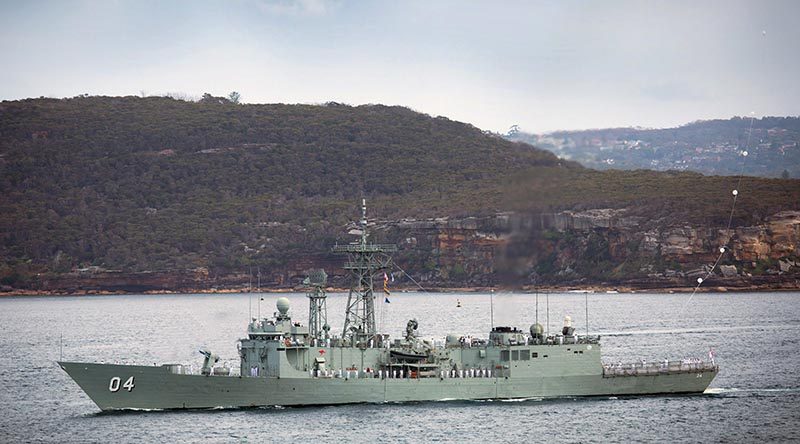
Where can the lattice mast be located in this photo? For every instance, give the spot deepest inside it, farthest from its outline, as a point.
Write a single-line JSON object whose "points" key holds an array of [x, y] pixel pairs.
{"points": [[364, 261], [317, 307]]}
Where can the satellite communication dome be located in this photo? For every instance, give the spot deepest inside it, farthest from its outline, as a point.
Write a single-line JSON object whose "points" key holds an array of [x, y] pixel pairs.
{"points": [[537, 330], [283, 305]]}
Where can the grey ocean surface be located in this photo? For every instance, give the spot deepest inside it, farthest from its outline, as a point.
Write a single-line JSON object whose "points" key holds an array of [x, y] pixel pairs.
{"points": [[755, 398]]}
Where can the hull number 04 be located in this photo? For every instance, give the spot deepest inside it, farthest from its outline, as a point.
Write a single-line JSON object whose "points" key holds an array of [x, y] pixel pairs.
{"points": [[114, 384]]}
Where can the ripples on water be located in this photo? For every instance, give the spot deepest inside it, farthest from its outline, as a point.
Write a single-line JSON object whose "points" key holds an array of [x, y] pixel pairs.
{"points": [[753, 399]]}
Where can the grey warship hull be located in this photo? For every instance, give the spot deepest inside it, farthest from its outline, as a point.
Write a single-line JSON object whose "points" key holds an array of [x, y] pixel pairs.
{"points": [[158, 388], [283, 362]]}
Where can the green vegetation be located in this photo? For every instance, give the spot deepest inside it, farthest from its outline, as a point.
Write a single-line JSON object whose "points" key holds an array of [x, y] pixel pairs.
{"points": [[155, 183], [662, 197]]}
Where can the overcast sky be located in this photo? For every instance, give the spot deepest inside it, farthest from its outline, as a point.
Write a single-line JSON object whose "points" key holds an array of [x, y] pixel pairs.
{"points": [[542, 65]]}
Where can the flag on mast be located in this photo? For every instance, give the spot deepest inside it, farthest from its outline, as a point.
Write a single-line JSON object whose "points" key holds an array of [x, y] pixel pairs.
{"points": [[386, 287]]}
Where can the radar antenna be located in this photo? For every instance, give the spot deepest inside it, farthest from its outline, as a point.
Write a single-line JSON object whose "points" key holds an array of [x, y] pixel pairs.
{"points": [[317, 308], [364, 261]]}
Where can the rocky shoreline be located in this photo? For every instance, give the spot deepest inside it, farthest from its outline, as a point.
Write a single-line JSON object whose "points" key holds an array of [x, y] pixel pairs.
{"points": [[597, 289], [599, 250]]}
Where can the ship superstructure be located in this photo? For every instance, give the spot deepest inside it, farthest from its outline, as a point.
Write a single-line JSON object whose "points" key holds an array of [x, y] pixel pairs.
{"points": [[283, 362], [364, 261]]}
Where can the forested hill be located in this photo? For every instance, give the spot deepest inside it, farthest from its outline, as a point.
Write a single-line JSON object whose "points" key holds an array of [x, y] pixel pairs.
{"points": [[153, 184]]}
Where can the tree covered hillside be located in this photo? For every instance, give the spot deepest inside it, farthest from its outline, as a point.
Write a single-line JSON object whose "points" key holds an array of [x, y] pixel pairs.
{"points": [[136, 184], [155, 183]]}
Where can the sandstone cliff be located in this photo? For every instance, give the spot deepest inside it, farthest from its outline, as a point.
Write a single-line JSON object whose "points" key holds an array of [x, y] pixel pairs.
{"points": [[599, 247]]}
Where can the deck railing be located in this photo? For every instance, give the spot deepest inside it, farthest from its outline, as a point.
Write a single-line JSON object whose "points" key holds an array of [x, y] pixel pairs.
{"points": [[656, 368]]}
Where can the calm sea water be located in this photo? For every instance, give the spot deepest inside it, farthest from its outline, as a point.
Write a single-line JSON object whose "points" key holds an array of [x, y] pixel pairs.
{"points": [[755, 398]]}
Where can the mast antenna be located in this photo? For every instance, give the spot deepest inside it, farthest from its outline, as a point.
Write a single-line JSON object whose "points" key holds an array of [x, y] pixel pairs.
{"points": [[586, 303], [250, 295], [364, 262], [491, 308], [317, 307], [536, 287], [547, 310], [363, 221]]}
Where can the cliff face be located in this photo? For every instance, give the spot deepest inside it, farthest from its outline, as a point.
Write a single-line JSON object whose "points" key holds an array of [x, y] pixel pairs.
{"points": [[775, 240], [580, 248], [601, 246]]}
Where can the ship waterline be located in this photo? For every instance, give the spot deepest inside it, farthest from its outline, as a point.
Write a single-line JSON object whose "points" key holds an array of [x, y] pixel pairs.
{"points": [[155, 387]]}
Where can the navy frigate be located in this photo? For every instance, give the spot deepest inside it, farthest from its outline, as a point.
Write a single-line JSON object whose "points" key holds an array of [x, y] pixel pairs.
{"points": [[283, 362]]}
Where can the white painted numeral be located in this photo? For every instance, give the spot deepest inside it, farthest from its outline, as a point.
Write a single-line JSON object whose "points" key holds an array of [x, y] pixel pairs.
{"points": [[114, 384]]}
